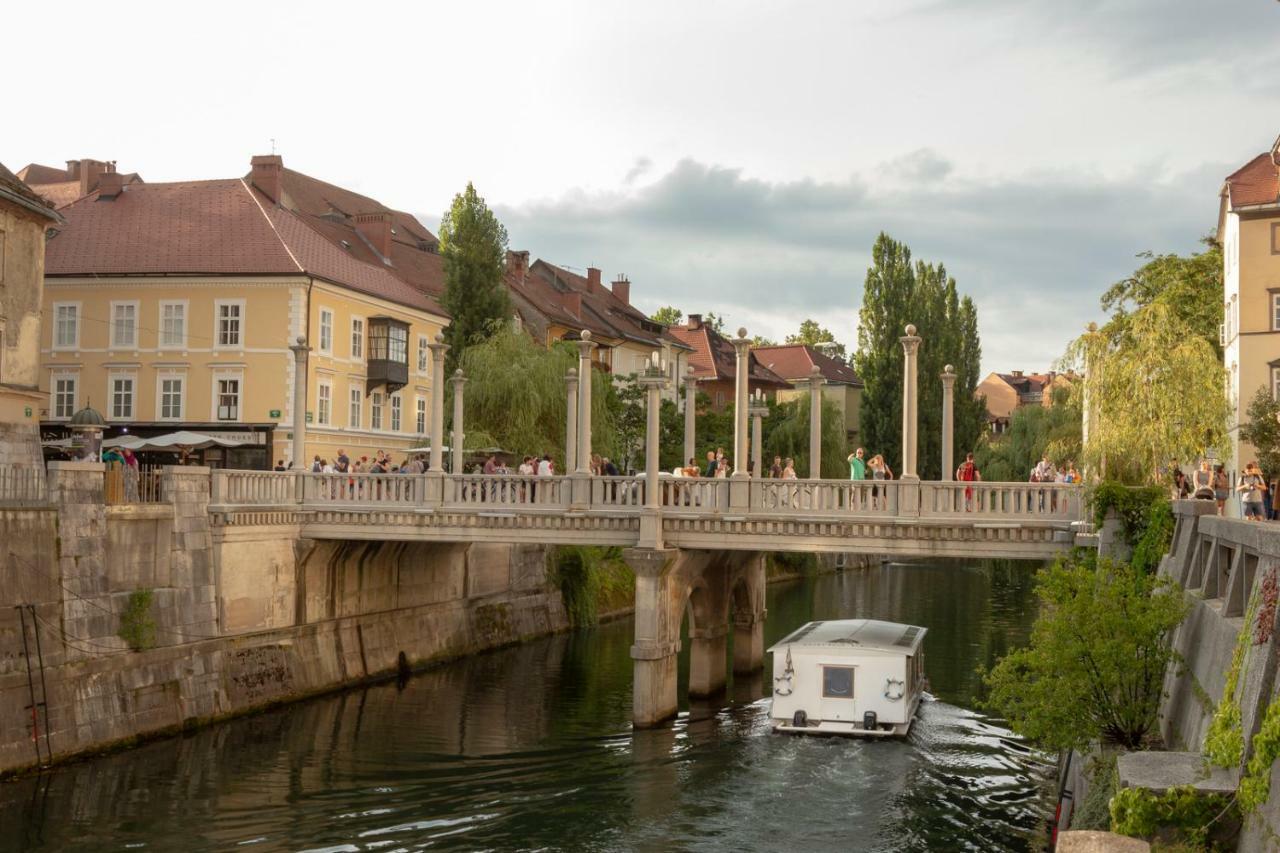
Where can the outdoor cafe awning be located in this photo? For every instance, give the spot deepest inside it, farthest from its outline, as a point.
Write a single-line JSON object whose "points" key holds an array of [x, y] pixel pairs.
{"points": [[174, 442]]}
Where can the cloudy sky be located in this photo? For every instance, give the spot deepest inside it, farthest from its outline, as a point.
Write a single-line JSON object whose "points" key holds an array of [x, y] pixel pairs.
{"points": [[738, 157]]}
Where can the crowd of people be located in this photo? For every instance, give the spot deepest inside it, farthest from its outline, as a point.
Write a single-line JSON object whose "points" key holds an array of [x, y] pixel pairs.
{"points": [[1259, 496]]}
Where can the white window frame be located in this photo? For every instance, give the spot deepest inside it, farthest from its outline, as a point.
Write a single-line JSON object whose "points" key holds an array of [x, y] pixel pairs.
{"points": [[162, 341], [54, 378], [355, 407], [215, 394], [424, 356], [163, 376], [325, 347], [375, 410], [420, 414], [397, 413], [324, 403], [114, 376], [357, 350], [218, 305], [1275, 383], [75, 342], [116, 342]]}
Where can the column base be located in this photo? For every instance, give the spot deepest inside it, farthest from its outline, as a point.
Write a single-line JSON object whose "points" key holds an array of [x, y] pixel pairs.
{"points": [[653, 690], [748, 647]]}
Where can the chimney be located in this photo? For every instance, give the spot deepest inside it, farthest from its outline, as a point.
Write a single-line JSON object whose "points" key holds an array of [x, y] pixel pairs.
{"points": [[593, 277], [376, 228], [518, 264], [90, 171], [110, 183], [1017, 374], [695, 321], [267, 174], [73, 170], [573, 304], [622, 289]]}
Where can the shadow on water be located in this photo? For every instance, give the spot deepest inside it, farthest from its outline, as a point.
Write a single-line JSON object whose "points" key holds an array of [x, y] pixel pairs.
{"points": [[530, 748]]}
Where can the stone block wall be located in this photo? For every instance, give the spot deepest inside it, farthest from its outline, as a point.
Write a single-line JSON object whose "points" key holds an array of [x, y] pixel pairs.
{"points": [[20, 444]]}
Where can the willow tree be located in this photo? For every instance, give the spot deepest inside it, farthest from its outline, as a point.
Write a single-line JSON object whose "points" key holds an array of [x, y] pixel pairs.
{"points": [[785, 433], [1154, 393], [473, 244], [516, 397]]}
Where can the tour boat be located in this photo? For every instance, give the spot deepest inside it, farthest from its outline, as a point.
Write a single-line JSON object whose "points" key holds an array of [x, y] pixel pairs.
{"points": [[853, 677]]}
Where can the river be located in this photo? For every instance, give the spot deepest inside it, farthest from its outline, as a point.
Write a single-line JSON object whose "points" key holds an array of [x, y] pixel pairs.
{"points": [[530, 748]]}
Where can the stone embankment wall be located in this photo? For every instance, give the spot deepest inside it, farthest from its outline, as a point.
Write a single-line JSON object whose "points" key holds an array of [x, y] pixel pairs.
{"points": [[1225, 566], [245, 616]]}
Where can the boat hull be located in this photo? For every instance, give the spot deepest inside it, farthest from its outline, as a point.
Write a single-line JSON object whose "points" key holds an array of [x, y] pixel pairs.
{"points": [[841, 728]]}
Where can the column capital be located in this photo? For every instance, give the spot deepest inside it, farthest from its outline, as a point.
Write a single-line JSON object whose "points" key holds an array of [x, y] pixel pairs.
{"points": [[571, 378], [948, 376], [816, 379], [459, 378], [300, 348], [910, 341], [689, 379], [585, 344], [741, 343]]}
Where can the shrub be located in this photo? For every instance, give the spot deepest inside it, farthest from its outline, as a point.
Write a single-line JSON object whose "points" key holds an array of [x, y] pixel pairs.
{"points": [[137, 627]]}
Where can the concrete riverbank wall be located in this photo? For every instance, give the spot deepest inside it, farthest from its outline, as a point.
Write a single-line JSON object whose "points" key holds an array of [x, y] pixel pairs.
{"points": [[238, 618]]}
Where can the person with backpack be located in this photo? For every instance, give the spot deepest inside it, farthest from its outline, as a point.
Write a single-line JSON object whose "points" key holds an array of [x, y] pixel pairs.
{"points": [[968, 473]]}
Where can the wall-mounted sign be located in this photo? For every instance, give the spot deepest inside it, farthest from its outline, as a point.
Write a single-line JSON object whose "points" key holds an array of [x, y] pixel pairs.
{"points": [[274, 413], [308, 417], [26, 412]]}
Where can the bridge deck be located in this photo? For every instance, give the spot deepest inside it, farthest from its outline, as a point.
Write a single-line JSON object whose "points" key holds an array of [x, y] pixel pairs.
{"points": [[1016, 520]]}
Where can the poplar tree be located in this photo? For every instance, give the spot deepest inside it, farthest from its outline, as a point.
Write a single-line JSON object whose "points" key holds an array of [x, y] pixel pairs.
{"points": [[473, 244], [897, 294]]}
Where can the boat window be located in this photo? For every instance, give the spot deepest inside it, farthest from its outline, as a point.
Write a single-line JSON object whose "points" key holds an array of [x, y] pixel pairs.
{"points": [[837, 682]]}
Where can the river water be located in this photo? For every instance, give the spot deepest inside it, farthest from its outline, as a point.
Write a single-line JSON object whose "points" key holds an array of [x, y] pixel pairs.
{"points": [[530, 748]]}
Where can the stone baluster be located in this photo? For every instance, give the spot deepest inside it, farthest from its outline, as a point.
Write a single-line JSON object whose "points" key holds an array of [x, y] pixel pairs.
{"points": [[948, 423]]}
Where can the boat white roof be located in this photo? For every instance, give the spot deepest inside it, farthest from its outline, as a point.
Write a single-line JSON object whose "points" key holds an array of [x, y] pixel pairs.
{"points": [[854, 634]]}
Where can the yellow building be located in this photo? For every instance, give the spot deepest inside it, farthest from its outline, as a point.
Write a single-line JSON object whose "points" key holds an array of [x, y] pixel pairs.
{"points": [[24, 219], [174, 305], [1249, 231], [1005, 393]]}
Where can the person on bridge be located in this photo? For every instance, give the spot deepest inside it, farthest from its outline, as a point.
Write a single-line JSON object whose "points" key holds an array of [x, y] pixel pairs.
{"points": [[968, 473], [1252, 490], [712, 464], [857, 466], [775, 472]]}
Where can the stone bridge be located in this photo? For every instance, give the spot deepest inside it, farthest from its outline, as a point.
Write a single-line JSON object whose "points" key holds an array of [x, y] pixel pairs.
{"points": [[697, 545]]}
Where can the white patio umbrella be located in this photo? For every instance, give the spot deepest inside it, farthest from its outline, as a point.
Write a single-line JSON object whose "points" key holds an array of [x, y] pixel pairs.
{"points": [[174, 441]]}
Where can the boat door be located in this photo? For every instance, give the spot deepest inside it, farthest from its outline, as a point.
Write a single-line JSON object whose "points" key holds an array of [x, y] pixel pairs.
{"points": [[837, 693]]}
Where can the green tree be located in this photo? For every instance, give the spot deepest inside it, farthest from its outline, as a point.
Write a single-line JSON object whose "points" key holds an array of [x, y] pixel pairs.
{"points": [[1181, 410], [1263, 430], [811, 333], [714, 321], [1095, 666], [516, 397], [473, 244], [1033, 432], [762, 341], [667, 315], [786, 433], [897, 294], [1190, 286]]}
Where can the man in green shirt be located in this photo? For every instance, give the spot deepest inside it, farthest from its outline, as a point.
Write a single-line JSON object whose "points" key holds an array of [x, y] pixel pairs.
{"points": [[857, 466]]}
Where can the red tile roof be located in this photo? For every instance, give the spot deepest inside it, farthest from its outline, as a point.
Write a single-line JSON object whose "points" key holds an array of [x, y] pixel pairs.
{"points": [[713, 358], [1256, 182], [795, 362], [34, 173], [12, 189], [219, 227], [56, 186]]}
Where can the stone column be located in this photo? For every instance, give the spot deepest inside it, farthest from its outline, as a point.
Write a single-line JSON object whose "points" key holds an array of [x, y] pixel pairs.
{"points": [[741, 384], [300, 350], [571, 421], [708, 649], [910, 347], [815, 422], [438, 350], [459, 436], [748, 617], [690, 413], [948, 423], [654, 383], [758, 411], [585, 346]]}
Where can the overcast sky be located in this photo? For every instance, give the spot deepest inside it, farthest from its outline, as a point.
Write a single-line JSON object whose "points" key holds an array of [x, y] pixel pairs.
{"points": [[738, 157]]}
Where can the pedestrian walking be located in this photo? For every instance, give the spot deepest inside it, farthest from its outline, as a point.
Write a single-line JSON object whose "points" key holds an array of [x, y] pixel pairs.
{"points": [[1202, 482], [1252, 489], [775, 471], [968, 473], [1221, 488]]}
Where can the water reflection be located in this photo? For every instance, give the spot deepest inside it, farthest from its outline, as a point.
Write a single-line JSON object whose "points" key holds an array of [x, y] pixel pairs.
{"points": [[530, 748]]}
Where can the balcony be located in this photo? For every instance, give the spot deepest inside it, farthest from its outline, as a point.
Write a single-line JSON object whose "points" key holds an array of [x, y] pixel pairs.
{"points": [[388, 362]]}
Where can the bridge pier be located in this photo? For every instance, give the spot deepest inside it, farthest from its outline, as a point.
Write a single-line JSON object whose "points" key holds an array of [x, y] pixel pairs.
{"points": [[709, 586]]}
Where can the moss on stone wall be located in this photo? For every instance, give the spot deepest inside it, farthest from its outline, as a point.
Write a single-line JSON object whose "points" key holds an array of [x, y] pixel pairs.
{"points": [[137, 626]]}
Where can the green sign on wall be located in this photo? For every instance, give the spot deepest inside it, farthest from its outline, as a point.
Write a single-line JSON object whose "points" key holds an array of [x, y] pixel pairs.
{"points": [[308, 417], [26, 412], [274, 413]]}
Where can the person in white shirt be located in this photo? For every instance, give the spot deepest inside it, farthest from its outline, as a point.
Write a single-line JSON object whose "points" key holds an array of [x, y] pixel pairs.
{"points": [[545, 467]]}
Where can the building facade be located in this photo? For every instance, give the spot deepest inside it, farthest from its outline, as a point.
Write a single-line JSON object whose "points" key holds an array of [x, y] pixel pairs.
{"points": [[842, 387], [714, 363], [1005, 393], [25, 219], [175, 306], [1249, 231]]}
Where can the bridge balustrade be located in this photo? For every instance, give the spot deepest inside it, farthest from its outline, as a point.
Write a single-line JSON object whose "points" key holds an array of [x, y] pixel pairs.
{"points": [[254, 488], [617, 491], [824, 497], [504, 490], [386, 490], [1010, 501], [693, 493]]}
